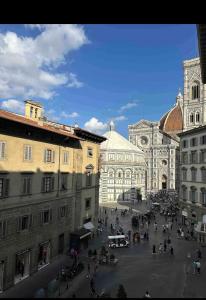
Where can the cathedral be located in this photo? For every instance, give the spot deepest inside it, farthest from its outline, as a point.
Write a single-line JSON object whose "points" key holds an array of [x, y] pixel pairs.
{"points": [[150, 160], [159, 140]]}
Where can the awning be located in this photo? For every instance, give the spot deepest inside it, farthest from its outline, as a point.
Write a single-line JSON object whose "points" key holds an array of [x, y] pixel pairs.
{"points": [[184, 213], [88, 225]]}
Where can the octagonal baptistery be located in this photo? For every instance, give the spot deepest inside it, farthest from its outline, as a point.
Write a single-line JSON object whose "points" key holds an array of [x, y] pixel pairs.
{"points": [[122, 171]]}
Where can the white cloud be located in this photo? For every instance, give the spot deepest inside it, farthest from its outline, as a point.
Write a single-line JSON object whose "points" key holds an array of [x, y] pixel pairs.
{"points": [[66, 115], [73, 81], [28, 65], [128, 106], [96, 126], [13, 105], [119, 118]]}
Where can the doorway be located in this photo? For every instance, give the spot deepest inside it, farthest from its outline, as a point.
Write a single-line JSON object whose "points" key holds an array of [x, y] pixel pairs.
{"points": [[164, 182], [22, 266], [44, 255], [61, 243]]}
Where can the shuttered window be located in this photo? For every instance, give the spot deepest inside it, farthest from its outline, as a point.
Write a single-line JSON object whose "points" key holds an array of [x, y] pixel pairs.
{"points": [[3, 229], [49, 156], [4, 187], [27, 152], [48, 184], [24, 222], [26, 185], [2, 149]]}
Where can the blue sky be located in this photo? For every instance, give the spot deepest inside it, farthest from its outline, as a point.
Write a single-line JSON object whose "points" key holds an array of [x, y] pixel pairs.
{"points": [[90, 74]]}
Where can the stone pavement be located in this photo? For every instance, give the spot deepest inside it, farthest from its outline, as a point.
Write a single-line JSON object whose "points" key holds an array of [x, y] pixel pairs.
{"points": [[165, 276]]}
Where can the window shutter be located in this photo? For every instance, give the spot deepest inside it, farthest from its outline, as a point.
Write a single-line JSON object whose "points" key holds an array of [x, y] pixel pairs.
{"points": [[41, 217], [53, 156], [2, 149], [43, 184], [6, 187], [29, 186], [18, 224], [30, 152], [52, 183], [45, 155], [50, 215], [201, 157]]}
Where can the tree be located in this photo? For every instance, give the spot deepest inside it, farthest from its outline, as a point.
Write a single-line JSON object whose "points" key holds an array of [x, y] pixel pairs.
{"points": [[121, 293]]}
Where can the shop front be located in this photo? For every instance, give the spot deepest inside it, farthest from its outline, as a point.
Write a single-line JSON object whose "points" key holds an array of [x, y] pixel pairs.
{"points": [[22, 270], [44, 254], [2, 265], [79, 239]]}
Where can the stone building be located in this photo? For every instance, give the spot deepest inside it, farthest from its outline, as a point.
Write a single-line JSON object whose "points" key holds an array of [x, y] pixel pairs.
{"points": [[122, 176], [192, 197], [160, 140], [49, 187]]}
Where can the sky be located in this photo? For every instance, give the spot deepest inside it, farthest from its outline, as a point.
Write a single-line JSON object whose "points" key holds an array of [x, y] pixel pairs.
{"points": [[92, 74]]}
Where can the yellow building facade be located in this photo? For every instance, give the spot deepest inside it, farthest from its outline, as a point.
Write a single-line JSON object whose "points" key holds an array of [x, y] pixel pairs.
{"points": [[49, 185]]}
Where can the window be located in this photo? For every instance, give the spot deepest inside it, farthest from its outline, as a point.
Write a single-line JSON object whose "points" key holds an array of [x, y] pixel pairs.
{"points": [[195, 91], [26, 185], [62, 211], [89, 152], [193, 142], [203, 156], [87, 203], [27, 152], [191, 118], [4, 187], [203, 174], [184, 157], [197, 117], [31, 111], [193, 194], [89, 172], [24, 222], [184, 193], [119, 175], [36, 111], [65, 157], [47, 184], [64, 179], [128, 174], [203, 140], [184, 174], [2, 150], [3, 228], [49, 155], [46, 216], [193, 157], [203, 196], [193, 174], [184, 144]]}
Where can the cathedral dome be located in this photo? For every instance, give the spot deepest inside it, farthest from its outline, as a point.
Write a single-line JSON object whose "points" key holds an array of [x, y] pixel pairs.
{"points": [[172, 121], [115, 141]]}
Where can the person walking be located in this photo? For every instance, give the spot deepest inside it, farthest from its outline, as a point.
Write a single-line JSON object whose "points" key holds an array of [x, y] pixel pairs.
{"points": [[198, 266], [171, 250], [153, 249], [194, 267], [88, 270], [147, 295], [165, 247], [199, 254]]}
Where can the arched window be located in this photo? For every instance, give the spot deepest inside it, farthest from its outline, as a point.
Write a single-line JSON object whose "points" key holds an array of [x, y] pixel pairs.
{"points": [[184, 192], [191, 118], [128, 174], [197, 117], [193, 194], [195, 91], [203, 196], [88, 172]]}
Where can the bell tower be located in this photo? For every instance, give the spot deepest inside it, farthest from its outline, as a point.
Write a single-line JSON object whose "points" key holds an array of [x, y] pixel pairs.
{"points": [[33, 110], [194, 98]]}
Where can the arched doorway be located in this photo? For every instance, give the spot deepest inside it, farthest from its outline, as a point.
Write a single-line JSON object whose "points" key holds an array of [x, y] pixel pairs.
{"points": [[164, 182]]}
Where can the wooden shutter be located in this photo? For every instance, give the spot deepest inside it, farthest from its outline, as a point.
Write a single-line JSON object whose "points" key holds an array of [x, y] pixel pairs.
{"points": [[201, 157], [29, 185], [53, 156], [41, 217], [45, 155], [30, 152]]}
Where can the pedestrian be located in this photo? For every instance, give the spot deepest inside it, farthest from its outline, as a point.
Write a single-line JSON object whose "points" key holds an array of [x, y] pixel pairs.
{"points": [[194, 267], [198, 266], [160, 248], [147, 295], [171, 250], [165, 247], [153, 249], [129, 234]]}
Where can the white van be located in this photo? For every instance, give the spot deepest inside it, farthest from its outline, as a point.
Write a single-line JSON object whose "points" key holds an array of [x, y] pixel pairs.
{"points": [[118, 241]]}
